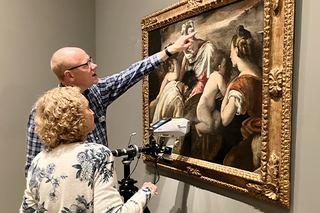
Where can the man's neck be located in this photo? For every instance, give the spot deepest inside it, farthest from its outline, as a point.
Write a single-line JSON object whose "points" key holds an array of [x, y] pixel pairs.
{"points": [[82, 90]]}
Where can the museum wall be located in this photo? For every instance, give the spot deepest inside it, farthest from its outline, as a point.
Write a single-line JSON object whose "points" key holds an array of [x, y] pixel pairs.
{"points": [[110, 32], [31, 31]]}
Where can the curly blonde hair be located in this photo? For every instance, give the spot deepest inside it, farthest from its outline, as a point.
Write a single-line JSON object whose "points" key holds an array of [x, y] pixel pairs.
{"points": [[60, 117]]}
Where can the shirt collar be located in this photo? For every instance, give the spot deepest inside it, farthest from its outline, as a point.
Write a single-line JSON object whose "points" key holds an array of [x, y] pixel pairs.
{"points": [[86, 92]]}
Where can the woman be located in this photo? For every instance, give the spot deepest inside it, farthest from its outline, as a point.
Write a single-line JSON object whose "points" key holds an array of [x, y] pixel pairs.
{"points": [[243, 103], [197, 57], [71, 175], [171, 75]]}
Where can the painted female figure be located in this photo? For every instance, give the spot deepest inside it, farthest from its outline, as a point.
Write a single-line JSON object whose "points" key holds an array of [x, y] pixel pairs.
{"points": [[243, 103], [197, 57]]}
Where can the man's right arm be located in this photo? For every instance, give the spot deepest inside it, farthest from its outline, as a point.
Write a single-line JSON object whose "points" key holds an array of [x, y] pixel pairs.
{"points": [[34, 145]]}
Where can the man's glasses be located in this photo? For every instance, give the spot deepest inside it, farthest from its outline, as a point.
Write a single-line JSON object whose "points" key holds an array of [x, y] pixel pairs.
{"points": [[85, 64]]}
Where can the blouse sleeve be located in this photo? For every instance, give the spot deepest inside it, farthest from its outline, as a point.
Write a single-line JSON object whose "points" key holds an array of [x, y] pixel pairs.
{"points": [[29, 204], [238, 100], [107, 197], [31, 193]]}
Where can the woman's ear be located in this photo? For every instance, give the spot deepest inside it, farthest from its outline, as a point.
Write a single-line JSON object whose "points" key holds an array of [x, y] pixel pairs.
{"points": [[237, 50]]}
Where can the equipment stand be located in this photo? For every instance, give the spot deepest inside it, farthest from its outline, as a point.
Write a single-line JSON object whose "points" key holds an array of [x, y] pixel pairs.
{"points": [[127, 188]]}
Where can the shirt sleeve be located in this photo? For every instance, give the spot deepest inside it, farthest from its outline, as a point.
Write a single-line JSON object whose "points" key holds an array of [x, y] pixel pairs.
{"points": [[114, 86], [34, 145], [107, 197]]}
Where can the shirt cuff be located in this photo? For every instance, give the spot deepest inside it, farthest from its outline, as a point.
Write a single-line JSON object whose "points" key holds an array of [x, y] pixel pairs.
{"points": [[158, 59]]}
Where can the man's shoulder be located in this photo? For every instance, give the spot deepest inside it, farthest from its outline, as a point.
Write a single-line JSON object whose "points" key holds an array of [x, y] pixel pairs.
{"points": [[33, 110], [93, 90]]}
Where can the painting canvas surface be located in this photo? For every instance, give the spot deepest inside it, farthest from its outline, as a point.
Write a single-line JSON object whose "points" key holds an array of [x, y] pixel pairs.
{"points": [[200, 83]]}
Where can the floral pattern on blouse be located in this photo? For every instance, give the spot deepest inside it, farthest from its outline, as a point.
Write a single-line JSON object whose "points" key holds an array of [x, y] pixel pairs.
{"points": [[91, 161], [77, 177]]}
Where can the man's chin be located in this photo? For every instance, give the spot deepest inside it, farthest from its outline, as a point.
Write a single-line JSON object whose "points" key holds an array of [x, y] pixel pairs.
{"points": [[95, 81]]}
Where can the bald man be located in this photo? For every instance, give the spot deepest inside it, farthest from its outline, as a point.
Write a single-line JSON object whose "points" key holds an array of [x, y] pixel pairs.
{"points": [[74, 67]]}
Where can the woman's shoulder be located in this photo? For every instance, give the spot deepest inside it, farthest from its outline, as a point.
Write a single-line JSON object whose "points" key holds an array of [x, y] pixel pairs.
{"points": [[246, 82], [92, 149], [248, 77], [93, 146], [83, 147]]}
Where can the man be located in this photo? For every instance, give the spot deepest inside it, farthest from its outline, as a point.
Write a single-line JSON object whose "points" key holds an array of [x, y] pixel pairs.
{"points": [[73, 67]]}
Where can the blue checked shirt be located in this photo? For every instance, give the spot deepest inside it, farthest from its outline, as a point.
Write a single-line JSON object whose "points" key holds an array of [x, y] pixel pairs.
{"points": [[100, 96]]}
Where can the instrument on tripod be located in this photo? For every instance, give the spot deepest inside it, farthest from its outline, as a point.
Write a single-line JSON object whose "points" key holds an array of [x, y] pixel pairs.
{"points": [[171, 128]]}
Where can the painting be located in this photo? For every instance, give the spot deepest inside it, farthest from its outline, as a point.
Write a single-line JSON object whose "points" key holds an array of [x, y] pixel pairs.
{"points": [[233, 84]]}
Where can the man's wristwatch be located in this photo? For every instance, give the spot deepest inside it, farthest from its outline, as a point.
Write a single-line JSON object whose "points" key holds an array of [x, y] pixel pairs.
{"points": [[167, 52]]}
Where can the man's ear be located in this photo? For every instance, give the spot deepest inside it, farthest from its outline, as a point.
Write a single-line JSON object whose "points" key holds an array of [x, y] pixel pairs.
{"points": [[68, 75]]}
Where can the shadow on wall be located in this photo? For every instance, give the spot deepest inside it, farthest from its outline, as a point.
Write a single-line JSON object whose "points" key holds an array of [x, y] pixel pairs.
{"points": [[184, 194]]}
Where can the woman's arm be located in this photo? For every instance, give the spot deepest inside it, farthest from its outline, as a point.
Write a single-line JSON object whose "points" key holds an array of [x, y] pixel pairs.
{"points": [[107, 197], [222, 85], [228, 111]]}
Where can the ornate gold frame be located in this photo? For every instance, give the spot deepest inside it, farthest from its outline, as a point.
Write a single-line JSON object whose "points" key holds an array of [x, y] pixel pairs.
{"points": [[273, 183]]}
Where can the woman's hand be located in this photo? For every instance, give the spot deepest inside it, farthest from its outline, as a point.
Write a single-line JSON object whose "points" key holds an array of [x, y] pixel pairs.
{"points": [[149, 184]]}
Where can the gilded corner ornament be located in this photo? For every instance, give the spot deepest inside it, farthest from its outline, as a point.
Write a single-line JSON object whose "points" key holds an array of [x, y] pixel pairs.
{"points": [[271, 188]]}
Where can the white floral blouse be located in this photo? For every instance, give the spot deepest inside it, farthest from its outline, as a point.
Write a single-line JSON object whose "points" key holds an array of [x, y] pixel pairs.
{"points": [[77, 177]]}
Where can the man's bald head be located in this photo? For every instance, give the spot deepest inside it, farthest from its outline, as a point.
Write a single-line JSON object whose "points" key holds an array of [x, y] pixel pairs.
{"points": [[63, 59]]}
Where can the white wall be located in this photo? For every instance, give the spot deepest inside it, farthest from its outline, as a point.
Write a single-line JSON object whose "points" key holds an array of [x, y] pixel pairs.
{"points": [[32, 30], [306, 144], [30, 33]]}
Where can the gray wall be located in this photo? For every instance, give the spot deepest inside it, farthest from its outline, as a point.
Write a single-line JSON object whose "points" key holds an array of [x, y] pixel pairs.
{"points": [[30, 32], [110, 31]]}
